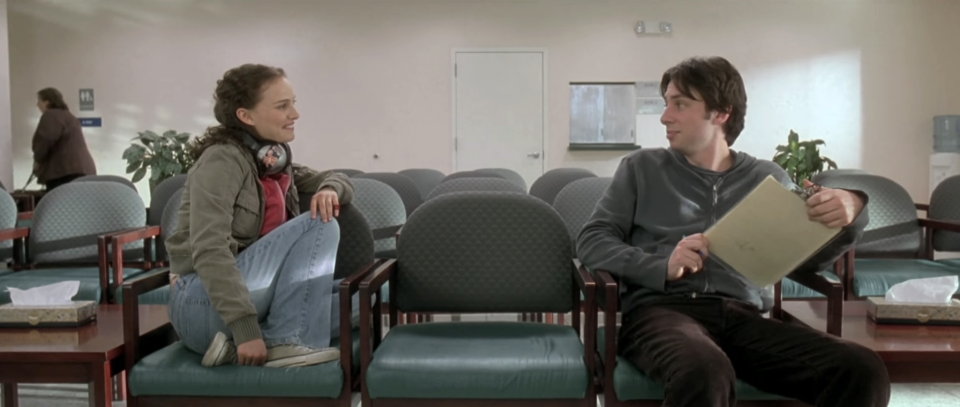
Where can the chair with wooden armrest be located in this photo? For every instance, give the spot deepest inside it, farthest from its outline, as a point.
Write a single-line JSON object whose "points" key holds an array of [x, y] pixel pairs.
{"points": [[66, 240], [625, 385], [896, 245], [172, 375], [479, 252]]}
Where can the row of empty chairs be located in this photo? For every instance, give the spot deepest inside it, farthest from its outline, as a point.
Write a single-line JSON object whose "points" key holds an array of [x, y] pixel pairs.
{"points": [[500, 251]]}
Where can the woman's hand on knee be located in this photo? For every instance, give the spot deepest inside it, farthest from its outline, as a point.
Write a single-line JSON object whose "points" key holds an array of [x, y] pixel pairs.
{"points": [[252, 353], [327, 203]]}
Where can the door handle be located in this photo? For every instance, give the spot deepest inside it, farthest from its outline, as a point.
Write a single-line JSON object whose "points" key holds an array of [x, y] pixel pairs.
{"points": [[535, 154]]}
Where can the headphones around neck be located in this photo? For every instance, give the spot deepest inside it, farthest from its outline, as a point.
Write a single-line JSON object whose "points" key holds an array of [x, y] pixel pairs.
{"points": [[271, 158]]}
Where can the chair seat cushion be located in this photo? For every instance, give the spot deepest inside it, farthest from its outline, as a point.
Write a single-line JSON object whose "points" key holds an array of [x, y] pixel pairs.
{"points": [[73, 273], [874, 277], [176, 371], [89, 286], [793, 289], [481, 360], [632, 384]]}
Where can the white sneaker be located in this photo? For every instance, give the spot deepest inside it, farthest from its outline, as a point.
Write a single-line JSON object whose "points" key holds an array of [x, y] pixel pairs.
{"points": [[221, 351], [298, 356]]}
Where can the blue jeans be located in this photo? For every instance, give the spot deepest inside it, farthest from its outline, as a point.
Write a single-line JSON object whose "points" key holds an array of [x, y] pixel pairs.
{"points": [[289, 273]]}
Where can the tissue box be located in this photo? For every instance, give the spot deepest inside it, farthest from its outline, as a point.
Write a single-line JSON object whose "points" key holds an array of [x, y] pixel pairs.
{"points": [[908, 313], [70, 315]]}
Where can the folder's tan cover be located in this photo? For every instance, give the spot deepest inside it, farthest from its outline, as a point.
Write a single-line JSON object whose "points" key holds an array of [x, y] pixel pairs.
{"points": [[768, 234]]}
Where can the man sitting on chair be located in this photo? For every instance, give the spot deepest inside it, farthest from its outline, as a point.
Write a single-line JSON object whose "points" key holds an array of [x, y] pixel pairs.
{"points": [[689, 321]]}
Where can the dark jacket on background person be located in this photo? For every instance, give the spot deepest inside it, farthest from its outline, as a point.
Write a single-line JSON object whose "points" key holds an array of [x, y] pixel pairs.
{"points": [[59, 148]]}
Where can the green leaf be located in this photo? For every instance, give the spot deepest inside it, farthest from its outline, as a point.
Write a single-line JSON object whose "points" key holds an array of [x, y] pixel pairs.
{"points": [[155, 174], [183, 137], [139, 175], [793, 138], [132, 167]]}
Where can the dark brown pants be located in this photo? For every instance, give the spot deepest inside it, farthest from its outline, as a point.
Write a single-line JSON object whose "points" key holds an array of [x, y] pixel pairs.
{"points": [[698, 347]]}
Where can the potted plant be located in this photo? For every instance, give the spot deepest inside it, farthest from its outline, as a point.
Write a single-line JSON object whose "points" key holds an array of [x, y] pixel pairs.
{"points": [[802, 159], [164, 155]]}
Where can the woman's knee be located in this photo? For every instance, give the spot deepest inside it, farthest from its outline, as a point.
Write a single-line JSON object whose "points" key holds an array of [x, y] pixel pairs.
{"points": [[309, 221]]}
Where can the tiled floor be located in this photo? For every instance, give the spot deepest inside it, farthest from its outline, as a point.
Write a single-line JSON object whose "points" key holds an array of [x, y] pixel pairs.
{"points": [[904, 395]]}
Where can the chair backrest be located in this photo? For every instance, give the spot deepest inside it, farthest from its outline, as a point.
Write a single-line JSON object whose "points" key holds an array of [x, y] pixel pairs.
{"points": [[893, 229], [108, 178], [425, 178], [68, 220], [818, 179], [552, 182], [945, 205], [475, 184], [383, 208], [471, 174], [8, 216], [405, 187], [575, 203], [484, 252], [162, 194], [356, 242], [509, 175], [349, 172], [168, 221]]}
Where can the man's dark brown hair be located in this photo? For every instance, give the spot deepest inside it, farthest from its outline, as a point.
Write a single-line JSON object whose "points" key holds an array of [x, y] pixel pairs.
{"points": [[717, 83]]}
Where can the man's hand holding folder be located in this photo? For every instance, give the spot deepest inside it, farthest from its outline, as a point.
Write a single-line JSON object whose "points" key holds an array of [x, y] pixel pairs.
{"points": [[767, 236]]}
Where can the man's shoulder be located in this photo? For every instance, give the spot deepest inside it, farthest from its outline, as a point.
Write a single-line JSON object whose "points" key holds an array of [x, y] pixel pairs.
{"points": [[767, 167], [648, 157]]}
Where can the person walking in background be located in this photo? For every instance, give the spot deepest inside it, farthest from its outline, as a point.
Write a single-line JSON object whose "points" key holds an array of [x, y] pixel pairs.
{"points": [[60, 152]]}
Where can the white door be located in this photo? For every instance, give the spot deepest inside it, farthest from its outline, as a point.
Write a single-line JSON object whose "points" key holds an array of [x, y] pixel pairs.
{"points": [[499, 112]]}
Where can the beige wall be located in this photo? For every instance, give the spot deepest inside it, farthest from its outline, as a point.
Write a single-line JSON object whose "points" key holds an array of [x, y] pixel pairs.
{"points": [[375, 76], [6, 141]]}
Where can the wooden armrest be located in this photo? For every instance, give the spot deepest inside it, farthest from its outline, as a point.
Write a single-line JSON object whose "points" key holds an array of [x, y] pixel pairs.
{"points": [[25, 215], [372, 283], [609, 303], [19, 237], [378, 278], [349, 286], [583, 279], [922, 207], [131, 311], [132, 235], [610, 290], [833, 290], [114, 258], [15, 233], [943, 225], [588, 286]]}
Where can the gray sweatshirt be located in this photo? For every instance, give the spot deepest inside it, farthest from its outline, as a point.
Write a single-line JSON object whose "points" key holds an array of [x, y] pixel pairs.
{"points": [[656, 198]]}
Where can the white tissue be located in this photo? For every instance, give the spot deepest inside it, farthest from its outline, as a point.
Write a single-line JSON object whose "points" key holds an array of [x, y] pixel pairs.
{"points": [[936, 290], [53, 294]]}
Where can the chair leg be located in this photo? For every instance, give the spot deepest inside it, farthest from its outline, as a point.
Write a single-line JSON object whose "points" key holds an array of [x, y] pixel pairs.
{"points": [[120, 387], [10, 398]]}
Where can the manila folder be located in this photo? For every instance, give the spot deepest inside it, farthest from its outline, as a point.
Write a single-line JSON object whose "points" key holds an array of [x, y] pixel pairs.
{"points": [[768, 234]]}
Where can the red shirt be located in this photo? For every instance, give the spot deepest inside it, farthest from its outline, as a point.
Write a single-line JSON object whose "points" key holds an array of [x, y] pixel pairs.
{"points": [[275, 210]]}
